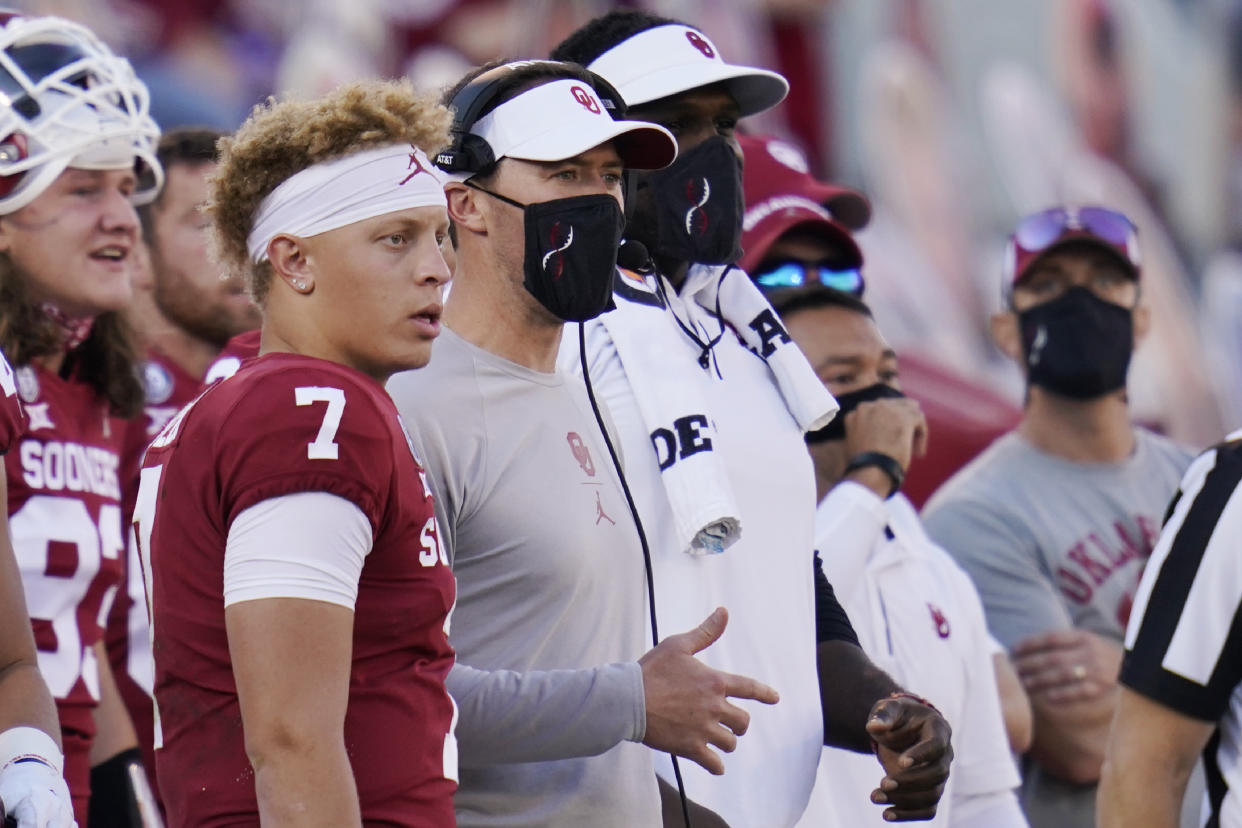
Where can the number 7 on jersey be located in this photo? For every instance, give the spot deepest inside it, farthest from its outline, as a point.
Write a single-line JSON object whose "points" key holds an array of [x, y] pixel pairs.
{"points": [[324, 447]]}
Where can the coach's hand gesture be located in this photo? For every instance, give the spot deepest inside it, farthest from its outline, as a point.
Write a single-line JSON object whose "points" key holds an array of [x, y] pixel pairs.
{"points": [[912, 744], [688, 705]]}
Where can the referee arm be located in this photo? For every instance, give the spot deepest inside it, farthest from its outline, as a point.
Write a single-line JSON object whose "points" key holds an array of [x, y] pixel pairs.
{"points": [[1151, 752], [1183, 657]]}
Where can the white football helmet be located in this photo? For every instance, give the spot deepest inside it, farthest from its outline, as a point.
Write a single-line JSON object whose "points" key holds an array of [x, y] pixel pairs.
{"points": [[67, 100]]}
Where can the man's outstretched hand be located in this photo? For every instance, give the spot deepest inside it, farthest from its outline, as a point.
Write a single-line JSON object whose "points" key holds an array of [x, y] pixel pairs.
{"points": [[912, 744], [688, 706]]}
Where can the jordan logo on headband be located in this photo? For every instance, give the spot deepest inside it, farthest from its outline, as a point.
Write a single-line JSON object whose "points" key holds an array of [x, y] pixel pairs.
{"points": [[416, 164]]}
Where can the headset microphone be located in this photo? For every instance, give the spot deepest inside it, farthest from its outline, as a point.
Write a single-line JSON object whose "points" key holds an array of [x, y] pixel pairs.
{"points": [[633, 256]]}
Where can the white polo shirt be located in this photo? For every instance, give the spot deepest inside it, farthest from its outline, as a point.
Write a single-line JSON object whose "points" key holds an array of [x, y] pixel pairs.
{"points": [[918, 617]]}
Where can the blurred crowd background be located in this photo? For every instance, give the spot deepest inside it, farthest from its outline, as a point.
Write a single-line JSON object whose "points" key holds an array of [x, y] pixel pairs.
{"points": [[954, 116]]}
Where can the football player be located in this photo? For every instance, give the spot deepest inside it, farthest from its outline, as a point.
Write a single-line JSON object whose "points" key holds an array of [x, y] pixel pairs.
{"points": [[32, 786], [298, 588], [76, 149]]}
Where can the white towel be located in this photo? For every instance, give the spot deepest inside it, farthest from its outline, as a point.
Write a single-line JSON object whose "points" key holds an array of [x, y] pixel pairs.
{"points": [[670, 390], [744, 307]]}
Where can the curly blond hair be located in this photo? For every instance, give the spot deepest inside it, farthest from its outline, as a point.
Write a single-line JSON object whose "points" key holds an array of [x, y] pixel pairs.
{"points": [[282, 138]]}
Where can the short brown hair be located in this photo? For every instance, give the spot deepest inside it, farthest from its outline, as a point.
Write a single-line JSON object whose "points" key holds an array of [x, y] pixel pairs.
{"points": [[280, 139], [183, 146]]}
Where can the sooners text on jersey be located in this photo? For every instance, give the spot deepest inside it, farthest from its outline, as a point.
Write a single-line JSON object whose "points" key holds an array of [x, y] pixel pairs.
{"points": [[286, 424], [64, 481]]}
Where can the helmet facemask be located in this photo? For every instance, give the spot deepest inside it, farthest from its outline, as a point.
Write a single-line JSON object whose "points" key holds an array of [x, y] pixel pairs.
{"points": [[67, 101]]}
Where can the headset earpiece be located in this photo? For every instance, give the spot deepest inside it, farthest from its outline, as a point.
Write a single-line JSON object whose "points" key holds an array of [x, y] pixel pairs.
{"points": [[467, 153], [609, 96]]}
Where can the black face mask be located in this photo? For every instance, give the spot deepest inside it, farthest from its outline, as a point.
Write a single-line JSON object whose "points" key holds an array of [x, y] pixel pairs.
{"points": [[571, 252], [835, 430], [1077, 345], [698, 205]]}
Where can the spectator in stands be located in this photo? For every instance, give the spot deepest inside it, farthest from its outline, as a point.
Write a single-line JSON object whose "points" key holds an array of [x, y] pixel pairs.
{"points": [[1056, 519]]}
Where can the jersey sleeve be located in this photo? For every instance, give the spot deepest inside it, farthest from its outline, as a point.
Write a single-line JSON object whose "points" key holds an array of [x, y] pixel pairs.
{"points": [[1184, 640], [310, 545], [305, 429], [1019, 596], [545, 715], [12, 416]]}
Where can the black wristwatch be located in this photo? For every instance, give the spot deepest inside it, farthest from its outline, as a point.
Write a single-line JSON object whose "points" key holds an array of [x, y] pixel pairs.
{"points": [[883, 462]]}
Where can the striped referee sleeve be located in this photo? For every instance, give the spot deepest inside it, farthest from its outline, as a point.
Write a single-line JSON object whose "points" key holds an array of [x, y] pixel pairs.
{"points": [[1184, 639]]}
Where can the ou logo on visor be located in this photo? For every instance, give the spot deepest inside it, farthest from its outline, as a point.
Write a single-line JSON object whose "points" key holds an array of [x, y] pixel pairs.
{"points": [[557, 268], [699, 42], [586, 99]]}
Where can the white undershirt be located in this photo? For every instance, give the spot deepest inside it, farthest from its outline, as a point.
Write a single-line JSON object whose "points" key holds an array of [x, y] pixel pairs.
{"points": [[306, 545]]}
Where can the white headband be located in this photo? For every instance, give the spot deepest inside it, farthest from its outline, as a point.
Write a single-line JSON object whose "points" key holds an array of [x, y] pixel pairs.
{"points": [[345, 190]]}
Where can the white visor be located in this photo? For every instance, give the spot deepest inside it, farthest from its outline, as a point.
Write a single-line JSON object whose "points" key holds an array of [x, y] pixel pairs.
{"points": [[346, 190], [668, 60], [565, 118]]}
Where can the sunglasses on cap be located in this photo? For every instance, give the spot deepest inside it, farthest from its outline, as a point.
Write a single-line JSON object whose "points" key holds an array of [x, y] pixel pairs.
{"points": [[790, 274], [1036, 233]]}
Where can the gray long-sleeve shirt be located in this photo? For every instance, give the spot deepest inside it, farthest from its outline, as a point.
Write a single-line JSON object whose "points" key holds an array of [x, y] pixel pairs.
{"points": [[551, 607]]}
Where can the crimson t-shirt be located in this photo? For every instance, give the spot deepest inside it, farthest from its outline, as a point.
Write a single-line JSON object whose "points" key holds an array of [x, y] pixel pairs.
{"points": [[287, 424]]}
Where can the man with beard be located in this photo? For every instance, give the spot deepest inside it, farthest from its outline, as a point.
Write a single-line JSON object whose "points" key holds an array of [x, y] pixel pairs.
{"points": [[1055, 520], [184, 312], [711, 399], [193, 311]]}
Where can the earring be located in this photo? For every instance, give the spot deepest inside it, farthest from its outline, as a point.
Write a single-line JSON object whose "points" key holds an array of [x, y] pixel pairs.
{"points": [[299, 284]]}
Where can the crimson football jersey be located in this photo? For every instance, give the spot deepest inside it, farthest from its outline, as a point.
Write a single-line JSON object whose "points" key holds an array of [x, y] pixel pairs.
{"points": [[167, 388], [64, 505], [286, 424], [12, 416]]}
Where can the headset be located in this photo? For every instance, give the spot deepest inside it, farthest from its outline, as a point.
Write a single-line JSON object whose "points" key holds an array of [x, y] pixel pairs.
{"points": [[470, 153]]}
